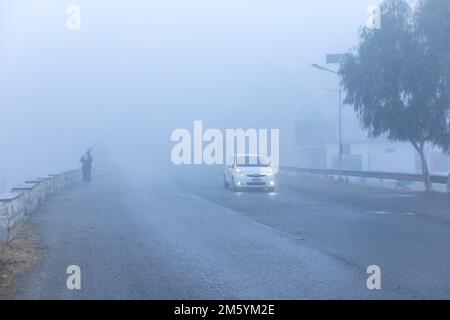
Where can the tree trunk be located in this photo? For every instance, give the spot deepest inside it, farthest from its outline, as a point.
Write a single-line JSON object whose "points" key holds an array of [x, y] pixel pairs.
{"points": [[425, 171], [423, 160]]}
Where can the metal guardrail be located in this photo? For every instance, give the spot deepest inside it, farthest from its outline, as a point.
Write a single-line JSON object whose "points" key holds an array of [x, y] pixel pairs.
{"points": [[369, 174]]}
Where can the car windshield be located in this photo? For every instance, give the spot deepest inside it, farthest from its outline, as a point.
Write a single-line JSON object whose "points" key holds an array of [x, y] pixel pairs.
{"points": [[251, 161]]}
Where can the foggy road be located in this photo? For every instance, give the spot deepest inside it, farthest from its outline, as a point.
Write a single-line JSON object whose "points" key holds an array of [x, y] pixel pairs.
{"points": [[122, 125], [188, 238]]}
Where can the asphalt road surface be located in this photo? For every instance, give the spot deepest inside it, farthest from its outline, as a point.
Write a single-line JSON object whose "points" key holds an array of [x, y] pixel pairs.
{"points": [[185, 237]]}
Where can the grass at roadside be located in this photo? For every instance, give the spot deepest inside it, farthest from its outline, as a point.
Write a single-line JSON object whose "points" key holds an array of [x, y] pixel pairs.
{"points": [[17, 257]]}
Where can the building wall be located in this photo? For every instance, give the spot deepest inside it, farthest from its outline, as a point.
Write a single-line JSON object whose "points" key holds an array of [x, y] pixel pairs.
{"points": [[317, 143], [396, 157], [373, 156]]}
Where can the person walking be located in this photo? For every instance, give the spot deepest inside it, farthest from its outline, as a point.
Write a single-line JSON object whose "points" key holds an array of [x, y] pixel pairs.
{"points": [[86, 165]]}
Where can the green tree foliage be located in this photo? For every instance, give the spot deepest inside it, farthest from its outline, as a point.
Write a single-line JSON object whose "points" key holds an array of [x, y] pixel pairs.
{"points": [[398, 77]]}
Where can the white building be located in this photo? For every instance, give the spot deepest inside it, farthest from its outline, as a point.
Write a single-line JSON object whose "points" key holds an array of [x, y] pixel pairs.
{"points": [[317, 143]]}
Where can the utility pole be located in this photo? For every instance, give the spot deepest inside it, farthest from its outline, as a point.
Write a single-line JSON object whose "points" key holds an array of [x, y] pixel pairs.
{"points": [[340, 123], [331, 60]]}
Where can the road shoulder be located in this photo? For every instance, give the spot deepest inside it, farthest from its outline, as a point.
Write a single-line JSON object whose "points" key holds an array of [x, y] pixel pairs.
{"points": [[18, 257]]}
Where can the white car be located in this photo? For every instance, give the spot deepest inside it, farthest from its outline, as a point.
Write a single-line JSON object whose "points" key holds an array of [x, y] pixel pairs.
{"points": [[248, 171]]}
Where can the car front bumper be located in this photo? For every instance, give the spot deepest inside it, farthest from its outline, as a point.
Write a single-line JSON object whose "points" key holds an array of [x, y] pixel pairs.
{"points": [[250, 182]]}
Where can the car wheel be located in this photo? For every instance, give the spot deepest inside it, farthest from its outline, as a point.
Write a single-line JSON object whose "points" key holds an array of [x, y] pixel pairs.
{"points": [[225, 183]]}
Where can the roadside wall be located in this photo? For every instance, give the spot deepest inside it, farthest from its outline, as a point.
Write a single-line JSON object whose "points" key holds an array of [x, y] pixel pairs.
{"points": [[26, 198]]}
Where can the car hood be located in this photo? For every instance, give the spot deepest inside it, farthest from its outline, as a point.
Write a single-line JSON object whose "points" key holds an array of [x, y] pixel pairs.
{"points": [[256, 170]]}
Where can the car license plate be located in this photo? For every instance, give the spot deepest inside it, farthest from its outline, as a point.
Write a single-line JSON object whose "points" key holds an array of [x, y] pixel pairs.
{"points": [[256, 180]]}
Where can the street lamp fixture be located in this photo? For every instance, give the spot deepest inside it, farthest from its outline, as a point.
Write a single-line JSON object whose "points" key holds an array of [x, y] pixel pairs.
{"points": [[331, 90], [323, 68]]}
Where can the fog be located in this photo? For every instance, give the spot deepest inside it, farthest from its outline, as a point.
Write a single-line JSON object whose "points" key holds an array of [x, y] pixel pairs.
{"points": [[137, 70]]}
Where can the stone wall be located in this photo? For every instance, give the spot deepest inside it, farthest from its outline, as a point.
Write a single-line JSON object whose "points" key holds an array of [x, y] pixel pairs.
{"points": [[26, 198]]}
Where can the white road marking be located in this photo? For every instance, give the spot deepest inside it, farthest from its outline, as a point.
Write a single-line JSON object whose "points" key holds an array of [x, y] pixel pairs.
{"points": [[380, 212]]}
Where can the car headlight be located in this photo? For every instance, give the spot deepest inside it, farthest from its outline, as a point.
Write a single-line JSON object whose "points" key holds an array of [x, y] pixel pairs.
{"points": [[238, 171]]}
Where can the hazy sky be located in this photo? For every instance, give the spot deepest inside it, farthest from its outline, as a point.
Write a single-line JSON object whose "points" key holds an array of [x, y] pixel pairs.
{"points": [[139, 69]]}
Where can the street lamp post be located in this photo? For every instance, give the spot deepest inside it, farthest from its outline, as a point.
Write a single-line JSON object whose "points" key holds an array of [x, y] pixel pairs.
{"points": [[340, 110]]}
